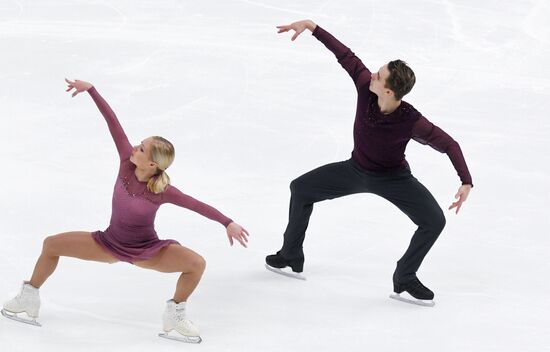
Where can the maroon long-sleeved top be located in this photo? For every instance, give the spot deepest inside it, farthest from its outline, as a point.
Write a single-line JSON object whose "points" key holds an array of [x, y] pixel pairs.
{"points": [[380, 140], [131, 234]]}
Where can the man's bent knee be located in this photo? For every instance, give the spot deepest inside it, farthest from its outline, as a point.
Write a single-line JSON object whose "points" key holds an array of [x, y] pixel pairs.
{"points": [[294, 185], [440, 222], [299, 185], [437, 223]]}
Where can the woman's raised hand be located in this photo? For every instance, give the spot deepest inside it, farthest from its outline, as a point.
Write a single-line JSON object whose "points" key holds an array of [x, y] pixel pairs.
{"points": [[297, 27], [79, 86]]}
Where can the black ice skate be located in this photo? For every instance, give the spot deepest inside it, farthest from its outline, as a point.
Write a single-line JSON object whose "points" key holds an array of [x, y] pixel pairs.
{"points": [[276, 263], [419, 293]]}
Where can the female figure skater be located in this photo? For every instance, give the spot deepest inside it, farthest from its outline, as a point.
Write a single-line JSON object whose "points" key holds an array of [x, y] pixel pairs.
{"points": [[141, 187]]}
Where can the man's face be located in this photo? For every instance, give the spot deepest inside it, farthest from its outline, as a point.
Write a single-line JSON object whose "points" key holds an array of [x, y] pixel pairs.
{"points": [[378, 81]]}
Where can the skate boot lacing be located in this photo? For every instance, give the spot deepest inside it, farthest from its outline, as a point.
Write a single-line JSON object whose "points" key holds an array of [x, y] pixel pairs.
{"points": [[416, 284], [179, 313], [20, 294]]}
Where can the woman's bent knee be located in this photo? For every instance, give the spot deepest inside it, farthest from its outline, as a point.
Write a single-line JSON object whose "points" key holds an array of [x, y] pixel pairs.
{"points": [[198, 264], [50, 246]]}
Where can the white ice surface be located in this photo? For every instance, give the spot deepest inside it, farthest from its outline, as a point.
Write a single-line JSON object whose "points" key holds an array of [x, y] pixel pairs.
{"points": [[248, 110]]}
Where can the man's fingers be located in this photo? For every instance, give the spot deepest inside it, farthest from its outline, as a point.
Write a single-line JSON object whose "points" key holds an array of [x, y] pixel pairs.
{"points": [[295, 36], [456, 205]]}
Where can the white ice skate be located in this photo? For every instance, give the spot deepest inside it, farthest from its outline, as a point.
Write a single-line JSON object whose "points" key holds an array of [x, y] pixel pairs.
{"points": [[286, 272], [174, 319], [27, 301]]}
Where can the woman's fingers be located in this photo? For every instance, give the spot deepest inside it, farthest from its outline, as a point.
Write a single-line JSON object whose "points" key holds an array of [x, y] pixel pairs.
{"points": [[241, 241], [240, 237], [244, 234], [70, 85]]}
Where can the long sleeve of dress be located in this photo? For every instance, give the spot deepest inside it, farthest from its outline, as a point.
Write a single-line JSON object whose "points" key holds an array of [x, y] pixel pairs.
{"points": [[352, 64], [121, 141], [426, 132], [175, 196]]}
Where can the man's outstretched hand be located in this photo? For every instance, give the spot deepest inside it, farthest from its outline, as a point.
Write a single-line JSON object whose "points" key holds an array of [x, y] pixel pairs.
{"points": [[461, 195], [297, 27]]}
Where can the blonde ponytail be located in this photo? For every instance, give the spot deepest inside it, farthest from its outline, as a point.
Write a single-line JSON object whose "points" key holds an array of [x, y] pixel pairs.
{"points": [[163, 154], [157, 184]]}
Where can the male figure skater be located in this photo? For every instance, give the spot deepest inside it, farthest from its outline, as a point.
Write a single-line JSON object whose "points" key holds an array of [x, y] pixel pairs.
{"points": [[384, 124]]}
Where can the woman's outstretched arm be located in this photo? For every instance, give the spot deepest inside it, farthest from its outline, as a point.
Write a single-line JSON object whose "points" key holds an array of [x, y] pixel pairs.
{"points": [[234, 230], [121, 141]]}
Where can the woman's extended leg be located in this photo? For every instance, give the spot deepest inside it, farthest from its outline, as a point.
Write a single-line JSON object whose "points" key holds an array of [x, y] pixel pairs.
{"points": [[178, 259], [77, 244]]}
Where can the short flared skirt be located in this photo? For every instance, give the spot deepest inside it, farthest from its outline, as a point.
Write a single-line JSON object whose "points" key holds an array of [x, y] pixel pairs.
{"points": [[131, 252]]}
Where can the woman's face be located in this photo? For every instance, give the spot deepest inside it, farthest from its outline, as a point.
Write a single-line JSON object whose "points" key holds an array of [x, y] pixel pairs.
{"points": [[141, 155]]}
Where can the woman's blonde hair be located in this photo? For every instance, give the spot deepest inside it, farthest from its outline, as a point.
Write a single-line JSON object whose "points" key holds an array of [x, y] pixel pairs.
{"points": [[163, 154]]}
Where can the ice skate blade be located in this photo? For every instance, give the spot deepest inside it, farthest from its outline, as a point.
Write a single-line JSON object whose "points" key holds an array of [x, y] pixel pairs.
{"points": [[13, 316], [181, 338], [292, 274], [424, 303]]}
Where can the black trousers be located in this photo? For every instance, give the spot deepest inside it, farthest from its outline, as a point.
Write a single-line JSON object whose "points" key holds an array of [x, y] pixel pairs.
{"points": [[345, 178]]}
